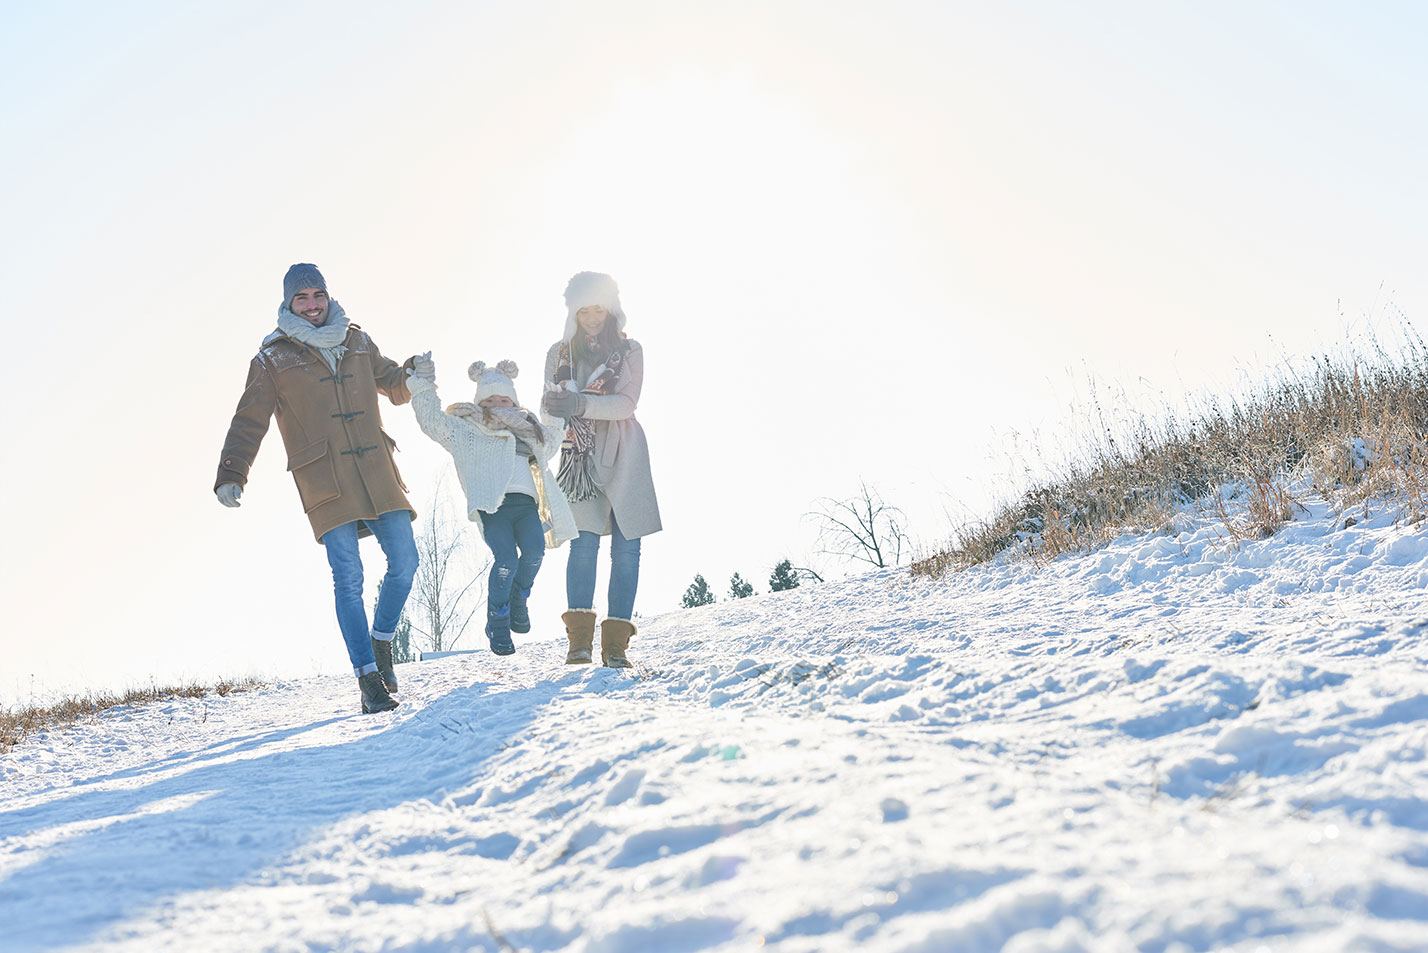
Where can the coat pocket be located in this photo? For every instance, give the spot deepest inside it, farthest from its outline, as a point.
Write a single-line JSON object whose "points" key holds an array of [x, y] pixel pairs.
{"points": [[392, 456], [612, 444], [315, 474]]}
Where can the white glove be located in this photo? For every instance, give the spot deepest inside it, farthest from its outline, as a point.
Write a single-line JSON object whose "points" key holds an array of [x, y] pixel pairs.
{"points": [[424, 366], [228, 494]]}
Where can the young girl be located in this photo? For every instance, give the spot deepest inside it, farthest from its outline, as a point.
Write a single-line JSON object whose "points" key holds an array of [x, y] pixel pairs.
{"points": [[593, 376], [501, 449]]}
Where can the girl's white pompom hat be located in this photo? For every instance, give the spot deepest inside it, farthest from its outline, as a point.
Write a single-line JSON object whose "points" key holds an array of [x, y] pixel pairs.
{"points": [[494, 381]]}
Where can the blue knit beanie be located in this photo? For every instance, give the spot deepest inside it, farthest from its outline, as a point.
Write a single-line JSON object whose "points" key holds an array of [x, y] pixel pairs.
{"points": [[301, 276]]}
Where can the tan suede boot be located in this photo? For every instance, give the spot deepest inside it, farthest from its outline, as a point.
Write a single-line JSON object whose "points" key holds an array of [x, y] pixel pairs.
{"points": [[580, 630], [614, 640]]}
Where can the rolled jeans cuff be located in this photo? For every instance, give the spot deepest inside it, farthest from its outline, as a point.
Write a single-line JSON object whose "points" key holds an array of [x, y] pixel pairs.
{"points": [[383, 636]]}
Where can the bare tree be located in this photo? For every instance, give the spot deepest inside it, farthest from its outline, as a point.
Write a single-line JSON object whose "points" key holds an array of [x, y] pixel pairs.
{"points": [[445, 593], [864, 528]]}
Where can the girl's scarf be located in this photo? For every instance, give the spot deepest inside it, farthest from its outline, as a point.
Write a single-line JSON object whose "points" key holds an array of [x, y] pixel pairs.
{"points": [[577, 452], [519, 421], [527, 429], [329, 338]]}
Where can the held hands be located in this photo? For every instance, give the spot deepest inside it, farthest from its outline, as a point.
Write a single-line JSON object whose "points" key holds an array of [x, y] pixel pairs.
{"points": [[228, 494], [424, 366], [563, 403]]}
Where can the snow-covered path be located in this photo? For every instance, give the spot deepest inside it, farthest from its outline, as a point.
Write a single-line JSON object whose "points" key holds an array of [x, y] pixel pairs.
{"points": [[1166, 745]]}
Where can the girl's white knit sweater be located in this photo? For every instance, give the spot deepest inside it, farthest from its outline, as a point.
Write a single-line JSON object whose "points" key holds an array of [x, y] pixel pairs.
{"points": [[486, 460]]}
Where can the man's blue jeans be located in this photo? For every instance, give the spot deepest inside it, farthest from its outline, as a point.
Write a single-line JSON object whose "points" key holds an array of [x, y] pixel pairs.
{"points": [[517, 542], [394, 533], [624, 572]]}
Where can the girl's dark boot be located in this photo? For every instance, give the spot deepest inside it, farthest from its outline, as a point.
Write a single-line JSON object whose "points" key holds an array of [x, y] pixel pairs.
{"points": [[498, 630], [520, 611]]}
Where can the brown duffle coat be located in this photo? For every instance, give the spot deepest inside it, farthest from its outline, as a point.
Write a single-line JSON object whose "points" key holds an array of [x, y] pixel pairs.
{"points": [[338, 453]]}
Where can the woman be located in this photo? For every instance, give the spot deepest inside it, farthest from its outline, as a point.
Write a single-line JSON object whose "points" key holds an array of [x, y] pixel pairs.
{"points": [[593, 376]]}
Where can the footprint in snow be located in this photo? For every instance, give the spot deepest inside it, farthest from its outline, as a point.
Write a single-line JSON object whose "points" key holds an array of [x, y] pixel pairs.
{"points": [[625, 788]]}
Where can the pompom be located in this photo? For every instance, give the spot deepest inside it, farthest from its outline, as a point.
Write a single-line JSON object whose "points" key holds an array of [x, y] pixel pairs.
{"points": [[508, 367], [476, 369]]}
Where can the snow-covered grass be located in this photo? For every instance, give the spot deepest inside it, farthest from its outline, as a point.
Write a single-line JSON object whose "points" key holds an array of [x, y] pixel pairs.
{"points": [[1350, 428], [1171, 744], [18, 723]]}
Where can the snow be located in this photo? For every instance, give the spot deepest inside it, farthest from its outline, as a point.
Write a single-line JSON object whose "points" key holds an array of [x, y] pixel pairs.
{"points": [[1172, 744]]}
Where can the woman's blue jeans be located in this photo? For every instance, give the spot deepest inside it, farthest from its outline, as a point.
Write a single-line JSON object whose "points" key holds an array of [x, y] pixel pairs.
{"points": [[624, 572], [394, 533], [517, 542]]}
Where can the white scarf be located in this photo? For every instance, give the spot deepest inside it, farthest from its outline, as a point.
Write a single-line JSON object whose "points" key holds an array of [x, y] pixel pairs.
{"points": [[329, 338]]}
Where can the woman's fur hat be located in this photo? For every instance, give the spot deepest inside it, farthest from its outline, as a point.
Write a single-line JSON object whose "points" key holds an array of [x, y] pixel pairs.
{"points": [[587, 288]]}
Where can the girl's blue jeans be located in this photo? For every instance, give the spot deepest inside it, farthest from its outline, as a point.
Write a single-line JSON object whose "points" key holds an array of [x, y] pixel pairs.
{"points": [[624, 572], [517, 542], [394, 534]]}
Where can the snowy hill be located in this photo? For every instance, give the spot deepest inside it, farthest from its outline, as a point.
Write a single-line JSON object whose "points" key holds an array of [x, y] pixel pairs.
{"points": [[1171, 744]]}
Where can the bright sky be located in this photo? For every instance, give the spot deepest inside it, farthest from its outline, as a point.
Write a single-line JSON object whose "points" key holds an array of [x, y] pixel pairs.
{"points": [[856, 239]]}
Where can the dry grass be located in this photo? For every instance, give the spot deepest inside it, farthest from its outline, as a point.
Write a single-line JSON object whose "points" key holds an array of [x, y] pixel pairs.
{"points": [[18, 724], [1351, 429]]}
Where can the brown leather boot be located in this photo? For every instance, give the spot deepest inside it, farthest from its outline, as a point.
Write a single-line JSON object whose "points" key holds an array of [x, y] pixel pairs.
{"points": [[580, 630], [614, 640]]}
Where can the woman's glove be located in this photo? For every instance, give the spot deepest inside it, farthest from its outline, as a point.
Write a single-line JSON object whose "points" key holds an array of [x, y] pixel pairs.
{"points": [[424, 366], [228, 494], [563, 403]]}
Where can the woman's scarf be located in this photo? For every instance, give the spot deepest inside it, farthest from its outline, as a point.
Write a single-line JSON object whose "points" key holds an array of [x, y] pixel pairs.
{"points": [[329, 338], [577, 452]]}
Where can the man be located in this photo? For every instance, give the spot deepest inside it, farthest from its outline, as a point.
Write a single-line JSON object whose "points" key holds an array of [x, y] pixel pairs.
{"points": [[320, 376]]}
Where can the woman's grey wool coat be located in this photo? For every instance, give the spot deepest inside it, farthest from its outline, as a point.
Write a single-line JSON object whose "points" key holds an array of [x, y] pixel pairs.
{"points": [[622, 455]]}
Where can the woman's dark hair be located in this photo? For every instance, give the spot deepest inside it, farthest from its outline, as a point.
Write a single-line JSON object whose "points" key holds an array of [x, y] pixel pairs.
{"points": [[609, 337]]}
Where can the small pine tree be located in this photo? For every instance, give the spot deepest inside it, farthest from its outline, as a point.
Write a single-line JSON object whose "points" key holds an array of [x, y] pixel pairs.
{"points": [[784, 577], [698, 593], [402, 644], [739, 588]]}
